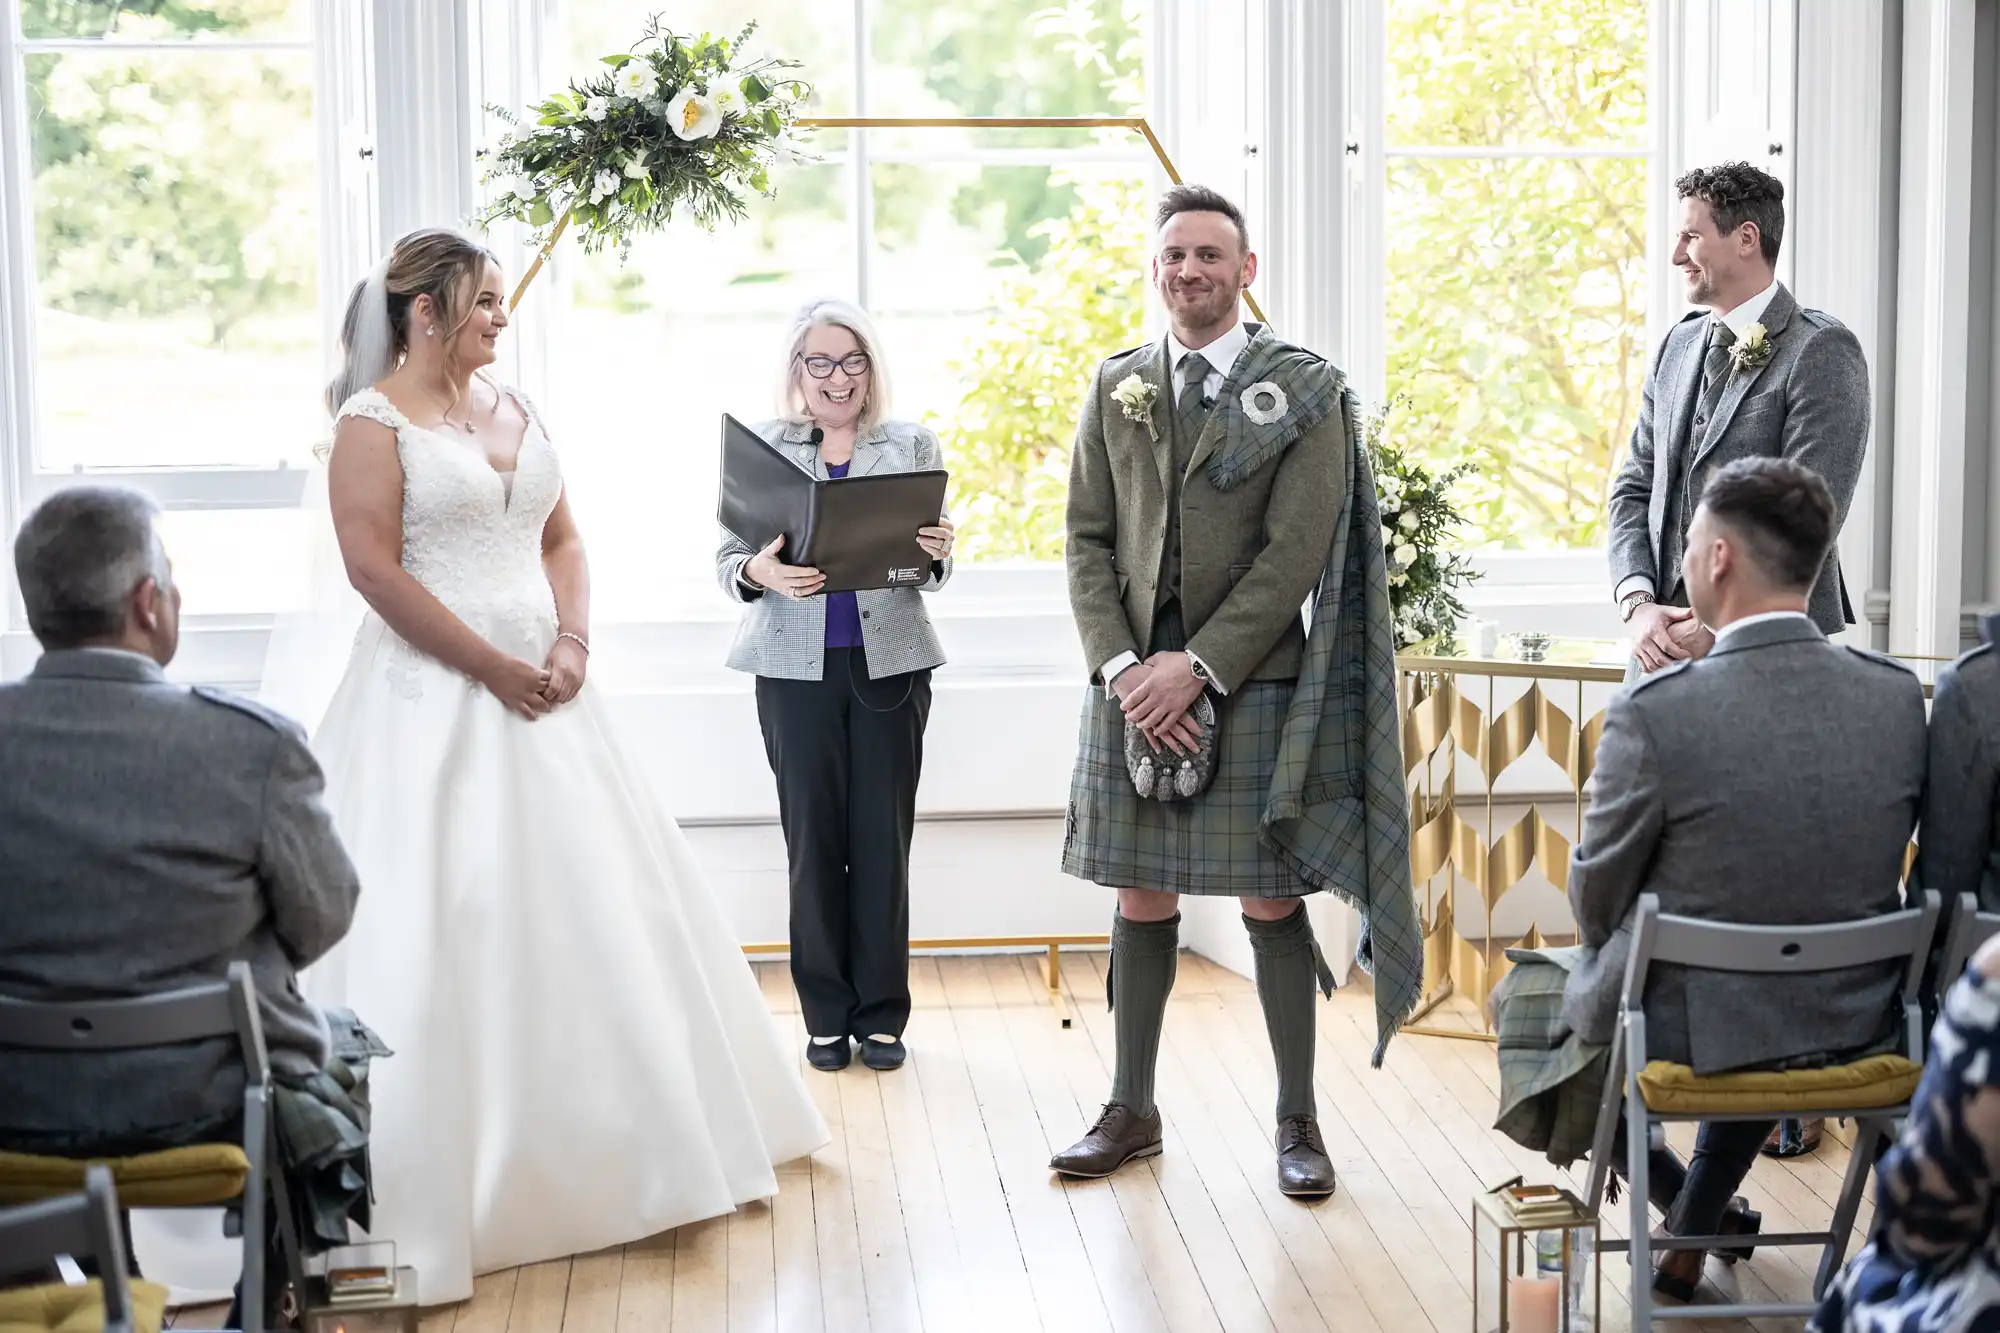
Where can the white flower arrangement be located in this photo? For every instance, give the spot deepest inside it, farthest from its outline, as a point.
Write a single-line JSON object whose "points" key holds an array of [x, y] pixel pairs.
{"points": [[675, 124], [1418, 519], [1135, 397], [1264, 403]]}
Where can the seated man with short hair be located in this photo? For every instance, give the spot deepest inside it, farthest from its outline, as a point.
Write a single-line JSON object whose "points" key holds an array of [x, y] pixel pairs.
{"points": [[151, 835], [1774, 781]]}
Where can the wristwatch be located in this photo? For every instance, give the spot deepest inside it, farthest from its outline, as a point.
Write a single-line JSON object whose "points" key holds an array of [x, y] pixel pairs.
{"points": [[1200, 671], [1632, 601]]}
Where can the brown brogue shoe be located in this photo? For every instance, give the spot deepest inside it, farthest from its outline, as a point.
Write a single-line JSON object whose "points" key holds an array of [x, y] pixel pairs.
{"points": [[1303, 1166], [1119, 1136]]}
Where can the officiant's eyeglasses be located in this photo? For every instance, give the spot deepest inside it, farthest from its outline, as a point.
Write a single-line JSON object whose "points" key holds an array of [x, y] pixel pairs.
{"points": [[820, 367]]}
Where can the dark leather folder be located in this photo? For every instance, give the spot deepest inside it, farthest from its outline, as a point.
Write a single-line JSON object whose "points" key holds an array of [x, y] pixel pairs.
{"points": [[861, 532]]}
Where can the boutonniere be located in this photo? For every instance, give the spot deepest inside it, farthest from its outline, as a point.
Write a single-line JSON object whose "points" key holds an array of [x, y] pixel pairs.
{"points": [[1264, 403], [1752, 349], [1135, 398]]}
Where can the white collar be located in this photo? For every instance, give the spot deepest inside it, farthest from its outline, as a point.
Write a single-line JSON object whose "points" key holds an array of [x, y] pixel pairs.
{"points": [[1760, 618], [119, 652], [1220, 354], [1751, 311]]}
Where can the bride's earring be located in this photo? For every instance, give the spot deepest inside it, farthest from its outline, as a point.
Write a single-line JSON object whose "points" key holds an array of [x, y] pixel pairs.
{"points": [[431, 332]]}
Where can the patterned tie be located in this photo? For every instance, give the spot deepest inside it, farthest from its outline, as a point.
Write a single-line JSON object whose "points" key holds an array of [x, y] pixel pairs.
{"points": [[1194, 375], [1715, 368]]}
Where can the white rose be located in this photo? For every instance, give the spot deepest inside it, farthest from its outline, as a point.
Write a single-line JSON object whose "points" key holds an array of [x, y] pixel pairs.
{"points": [[1406, 555], [604, 187], [1391, 491], [692, 115], [1397, 578], [1408, 522], [523, 189], [1130, 392], [727, 100], [597, 108], [635, 79]]}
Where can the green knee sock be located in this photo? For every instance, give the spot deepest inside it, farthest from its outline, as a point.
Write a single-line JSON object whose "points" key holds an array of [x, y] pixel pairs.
{"points": [[1288, 962], [1143, 956]]}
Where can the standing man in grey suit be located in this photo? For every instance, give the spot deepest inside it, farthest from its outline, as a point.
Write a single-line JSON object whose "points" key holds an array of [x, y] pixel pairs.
{"points": [[150, 836], [1717, 791], [1750, 374]]}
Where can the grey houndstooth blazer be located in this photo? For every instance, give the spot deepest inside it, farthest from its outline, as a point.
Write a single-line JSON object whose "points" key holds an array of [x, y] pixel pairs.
{"points": [[786, 640]]}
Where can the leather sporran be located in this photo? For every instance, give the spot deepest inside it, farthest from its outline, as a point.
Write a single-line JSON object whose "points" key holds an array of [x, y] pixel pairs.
{"points": [[1162, 775]]}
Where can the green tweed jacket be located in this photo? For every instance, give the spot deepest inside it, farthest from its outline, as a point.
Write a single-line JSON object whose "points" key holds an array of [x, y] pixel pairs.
{"points": [[1250, 556]]}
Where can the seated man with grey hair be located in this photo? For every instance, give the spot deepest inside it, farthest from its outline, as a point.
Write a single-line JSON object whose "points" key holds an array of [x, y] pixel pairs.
{"points": [[150, 836]]}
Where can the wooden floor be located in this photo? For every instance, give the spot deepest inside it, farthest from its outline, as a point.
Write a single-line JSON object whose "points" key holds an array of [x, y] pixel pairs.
{"points": [[933, 1207]]}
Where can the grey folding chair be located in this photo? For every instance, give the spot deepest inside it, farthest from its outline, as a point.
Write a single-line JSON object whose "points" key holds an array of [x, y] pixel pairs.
{"points": [[1970, 928], [1717, 946], [220, 1009], [78, 1226]]}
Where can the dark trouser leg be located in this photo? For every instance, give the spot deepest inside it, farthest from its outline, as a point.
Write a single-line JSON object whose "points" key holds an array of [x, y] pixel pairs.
{"points": [[887, 748], [805, 738], [1144, 956], [1723, 1153], [1665, 1172], [1286, 970]]}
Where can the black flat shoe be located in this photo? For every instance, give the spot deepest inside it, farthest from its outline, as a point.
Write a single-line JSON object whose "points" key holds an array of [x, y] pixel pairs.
{"points": [[829, 1056], [883, 1055]]}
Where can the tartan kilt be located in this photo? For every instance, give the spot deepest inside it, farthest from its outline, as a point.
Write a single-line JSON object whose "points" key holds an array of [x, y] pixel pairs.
{"points": [[1207, 845]]}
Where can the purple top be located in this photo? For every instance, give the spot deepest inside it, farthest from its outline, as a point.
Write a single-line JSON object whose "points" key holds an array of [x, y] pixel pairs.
{"points": [[843, 613]]}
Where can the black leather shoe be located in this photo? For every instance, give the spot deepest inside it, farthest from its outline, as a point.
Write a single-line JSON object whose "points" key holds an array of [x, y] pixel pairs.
{"points": [[882, 1055], [1120, 1135], [829, 1056], [1303, 1166], [1677, 1273], [1739, 1220]]}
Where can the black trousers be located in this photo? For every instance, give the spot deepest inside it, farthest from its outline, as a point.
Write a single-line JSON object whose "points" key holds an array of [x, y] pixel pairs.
{"points": [[847, 753]]}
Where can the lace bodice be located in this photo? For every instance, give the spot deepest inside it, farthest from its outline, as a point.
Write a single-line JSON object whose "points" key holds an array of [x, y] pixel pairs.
{"points": [[470, 537]]}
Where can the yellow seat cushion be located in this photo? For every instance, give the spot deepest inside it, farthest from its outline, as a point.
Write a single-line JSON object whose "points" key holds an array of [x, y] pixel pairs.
{"points": [[1878, 1080], [207, 1173], [56, 1308]]}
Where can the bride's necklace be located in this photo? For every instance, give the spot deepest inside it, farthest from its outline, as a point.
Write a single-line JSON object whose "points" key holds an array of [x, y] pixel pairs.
{"points": [[444, 409]]}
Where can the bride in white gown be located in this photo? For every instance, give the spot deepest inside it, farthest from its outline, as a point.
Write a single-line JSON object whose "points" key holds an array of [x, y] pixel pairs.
{"points": [[582, 1055]]}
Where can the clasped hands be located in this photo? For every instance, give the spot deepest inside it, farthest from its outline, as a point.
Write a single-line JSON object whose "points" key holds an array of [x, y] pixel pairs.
{"points": [[528, 690], [1156, 695], [1663, 635], [799, 582]]}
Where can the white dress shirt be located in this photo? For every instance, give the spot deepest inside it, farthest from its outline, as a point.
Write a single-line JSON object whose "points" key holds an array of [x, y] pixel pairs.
{"points": [[1736, 320], [1221, 355]]}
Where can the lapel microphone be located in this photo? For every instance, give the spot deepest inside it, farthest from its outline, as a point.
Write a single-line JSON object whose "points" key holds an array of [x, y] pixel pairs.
{"points": [[816, 436]]}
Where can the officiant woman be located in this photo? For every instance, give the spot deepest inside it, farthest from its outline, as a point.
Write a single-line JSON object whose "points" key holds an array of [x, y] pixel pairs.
{"points": [[843, 693]]}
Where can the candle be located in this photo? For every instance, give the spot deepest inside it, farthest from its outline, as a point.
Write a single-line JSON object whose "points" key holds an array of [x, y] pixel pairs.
{"points": [[1532, 1304]]}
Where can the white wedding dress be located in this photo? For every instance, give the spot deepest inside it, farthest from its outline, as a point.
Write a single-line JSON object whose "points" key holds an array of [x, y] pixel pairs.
{"points": [[582, 1055]]}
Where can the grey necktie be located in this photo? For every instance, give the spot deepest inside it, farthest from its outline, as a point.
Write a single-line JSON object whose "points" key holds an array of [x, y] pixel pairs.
{"points": [[1194, 376], [1715, 367]]}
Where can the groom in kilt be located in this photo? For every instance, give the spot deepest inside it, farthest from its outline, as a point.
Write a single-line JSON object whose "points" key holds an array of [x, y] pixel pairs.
{"points": [[1200, 518]]}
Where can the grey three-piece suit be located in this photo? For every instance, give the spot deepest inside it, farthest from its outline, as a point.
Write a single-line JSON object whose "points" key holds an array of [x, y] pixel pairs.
{"points": [[1808, 403], [1775, 781], [151, 835]]}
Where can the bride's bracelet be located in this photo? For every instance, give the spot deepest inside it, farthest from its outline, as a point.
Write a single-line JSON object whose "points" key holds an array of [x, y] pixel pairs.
{"points": [[577, 639]]}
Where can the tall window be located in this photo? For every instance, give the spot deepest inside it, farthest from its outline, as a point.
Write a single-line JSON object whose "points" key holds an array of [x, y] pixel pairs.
{"points": [[1515, 236], [170, 327], [999, 265]]}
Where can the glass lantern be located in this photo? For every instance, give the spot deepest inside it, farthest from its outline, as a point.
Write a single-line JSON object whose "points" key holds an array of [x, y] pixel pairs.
{"points": [[1534, 1261], [362, 1290]]}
